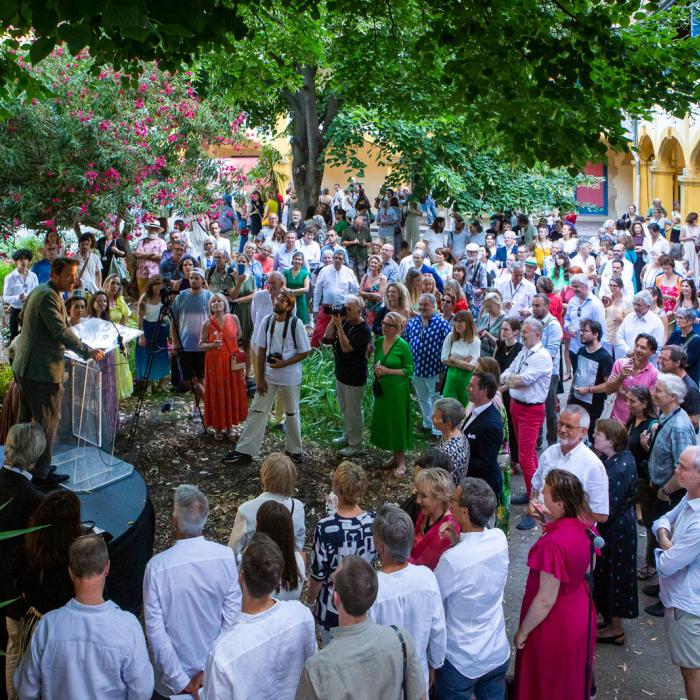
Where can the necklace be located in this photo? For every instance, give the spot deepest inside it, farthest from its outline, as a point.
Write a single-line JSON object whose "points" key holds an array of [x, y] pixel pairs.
{"points": [[506, 351]]}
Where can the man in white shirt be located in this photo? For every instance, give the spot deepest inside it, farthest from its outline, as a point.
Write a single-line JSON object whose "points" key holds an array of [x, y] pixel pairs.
{"points": [[643, 320], [264, 299], [517, 293], [89, 265], [472, 576], [333, 284], [89, 648], [678, 566], [610, 269], [654, 241], [221, 242], [572, 455], [528, 381], [17, 286], [582, 305], [282, 344], [190, 596], [408, 595], [283, 257], [262, 655]]}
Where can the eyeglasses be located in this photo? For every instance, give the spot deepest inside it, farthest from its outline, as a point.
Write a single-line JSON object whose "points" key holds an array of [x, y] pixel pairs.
{"points": [[568, 426], [389, 325]]}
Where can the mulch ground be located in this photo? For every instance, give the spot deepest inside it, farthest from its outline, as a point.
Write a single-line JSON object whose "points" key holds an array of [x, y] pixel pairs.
{"points": [[171, 449]]}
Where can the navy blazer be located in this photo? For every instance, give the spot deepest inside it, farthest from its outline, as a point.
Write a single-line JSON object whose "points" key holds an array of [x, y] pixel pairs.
{"points": [[485, 436], [502, 252]]}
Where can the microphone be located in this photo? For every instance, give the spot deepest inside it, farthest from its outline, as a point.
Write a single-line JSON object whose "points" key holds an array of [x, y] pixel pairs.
{"points": [[120, 340], [597, 541]]}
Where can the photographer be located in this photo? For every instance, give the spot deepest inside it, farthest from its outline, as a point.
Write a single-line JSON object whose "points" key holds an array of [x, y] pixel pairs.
{"points": [[351, 337], [282, 344]]}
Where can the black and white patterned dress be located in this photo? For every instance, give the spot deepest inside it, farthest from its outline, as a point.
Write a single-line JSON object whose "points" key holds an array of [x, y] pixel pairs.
{"points": [[336, 537]]}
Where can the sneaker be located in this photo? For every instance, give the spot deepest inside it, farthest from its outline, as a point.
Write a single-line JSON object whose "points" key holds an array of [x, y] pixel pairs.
{"points": [[296, 458], [234, 457], [657, 610], [519, 500], [651, 590], [527, 522], [51, 479], [351, 451], [341, 441]]}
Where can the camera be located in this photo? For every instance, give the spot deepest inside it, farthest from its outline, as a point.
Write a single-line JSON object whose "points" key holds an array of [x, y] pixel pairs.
{"points": [[166, 295], [338, 310], [273, 356]]}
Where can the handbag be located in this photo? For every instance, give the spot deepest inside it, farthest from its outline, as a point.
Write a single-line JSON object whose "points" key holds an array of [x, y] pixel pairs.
{"points": [[377, 389]]}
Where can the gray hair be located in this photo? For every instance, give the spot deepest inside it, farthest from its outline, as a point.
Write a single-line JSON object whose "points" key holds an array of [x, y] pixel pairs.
{"points": [[581, 279], [191, 509], [451, 410], [674, 385], [218, 297], [276, 274], [359, 302], [517, 267], [687, 314], [24, 444], [645, 297], [429, 297], [479, 499], [420, 252], [394, 528], [534, 324], [584, 420], [496, 298]]}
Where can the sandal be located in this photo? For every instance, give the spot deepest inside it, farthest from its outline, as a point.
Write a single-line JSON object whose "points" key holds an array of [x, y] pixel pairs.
{"points": [[218, 435], [618, 640], [645, 573]]}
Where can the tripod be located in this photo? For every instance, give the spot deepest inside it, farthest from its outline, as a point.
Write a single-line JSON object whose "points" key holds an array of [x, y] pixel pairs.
{"points": [[165, 312], [597, 542]]}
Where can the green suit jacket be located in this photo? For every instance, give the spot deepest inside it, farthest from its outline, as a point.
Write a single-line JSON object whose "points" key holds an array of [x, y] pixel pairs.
{"points": [[45, 336]]}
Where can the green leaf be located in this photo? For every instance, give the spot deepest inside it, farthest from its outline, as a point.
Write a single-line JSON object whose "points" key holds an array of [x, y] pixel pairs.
{"points": [[41, 48]]}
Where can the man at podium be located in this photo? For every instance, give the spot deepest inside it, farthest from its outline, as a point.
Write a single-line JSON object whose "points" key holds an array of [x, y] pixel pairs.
{"points": [[39, 359]]}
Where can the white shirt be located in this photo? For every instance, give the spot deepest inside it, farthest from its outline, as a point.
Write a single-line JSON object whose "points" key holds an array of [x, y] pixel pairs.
{"points": [[262, 656], [246, 517], [534, 366], [434, 241], [312, 253], [518, 295], [89, 274], [461, 349], [190, 595], [660, 245], [410, 598], [332, 286], [627, 279], [473, 414], [582, 463], [632, 326], [590, 308], [223, 244], [86, 651], [275, 340], [294, 594], [260, 306], [679, 567], [587, 266], [472, 576], [15, 285]]}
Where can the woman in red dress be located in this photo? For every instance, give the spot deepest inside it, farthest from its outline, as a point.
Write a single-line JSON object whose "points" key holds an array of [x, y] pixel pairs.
{"points": [[225, 399], [434, 489], [550, 661]]}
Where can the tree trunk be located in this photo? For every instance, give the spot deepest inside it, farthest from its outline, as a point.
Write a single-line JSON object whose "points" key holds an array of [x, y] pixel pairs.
{"points": [[308, 139]]}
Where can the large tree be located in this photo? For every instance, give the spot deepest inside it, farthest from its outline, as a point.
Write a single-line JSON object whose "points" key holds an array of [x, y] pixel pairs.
{"points": [[541, 81]]}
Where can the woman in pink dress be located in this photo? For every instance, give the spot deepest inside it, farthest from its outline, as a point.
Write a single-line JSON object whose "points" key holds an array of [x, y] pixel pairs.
{"points": [[434, 489], [550, 661]]}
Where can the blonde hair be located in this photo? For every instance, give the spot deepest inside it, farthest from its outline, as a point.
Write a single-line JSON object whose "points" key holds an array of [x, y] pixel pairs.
{"points": [[404, 297], [470, 330], [437, 482], [496, 298], [349, 482], [218, 297], [397, 318], [278, 474], [24, 444], [108, 280]]}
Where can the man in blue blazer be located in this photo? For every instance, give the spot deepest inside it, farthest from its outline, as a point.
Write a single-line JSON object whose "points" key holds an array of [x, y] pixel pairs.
{"points": [[503, 251], [483, 428]]}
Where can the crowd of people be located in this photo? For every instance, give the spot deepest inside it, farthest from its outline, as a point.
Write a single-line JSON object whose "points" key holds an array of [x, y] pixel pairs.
{"points": [[514, 342]]}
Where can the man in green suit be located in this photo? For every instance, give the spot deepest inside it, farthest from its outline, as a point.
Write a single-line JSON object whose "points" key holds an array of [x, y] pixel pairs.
{"points": [[39, 363]]}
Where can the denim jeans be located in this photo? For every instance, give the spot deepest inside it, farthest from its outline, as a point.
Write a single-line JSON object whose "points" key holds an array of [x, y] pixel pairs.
{"points": [[452, 685], [427, 396]]}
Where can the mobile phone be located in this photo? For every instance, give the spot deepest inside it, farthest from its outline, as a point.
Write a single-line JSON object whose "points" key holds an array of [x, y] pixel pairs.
{"points": [[240, 268]]}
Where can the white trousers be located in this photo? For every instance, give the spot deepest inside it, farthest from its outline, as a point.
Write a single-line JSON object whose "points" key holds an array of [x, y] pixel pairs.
{"points": [[254, 428]]}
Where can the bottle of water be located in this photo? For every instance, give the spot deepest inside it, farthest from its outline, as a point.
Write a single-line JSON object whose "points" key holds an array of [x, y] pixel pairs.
{"points": [[331, 503]]}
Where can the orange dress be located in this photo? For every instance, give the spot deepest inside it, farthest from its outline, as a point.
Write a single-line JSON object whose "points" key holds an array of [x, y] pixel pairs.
{"points": [[225, 399]]}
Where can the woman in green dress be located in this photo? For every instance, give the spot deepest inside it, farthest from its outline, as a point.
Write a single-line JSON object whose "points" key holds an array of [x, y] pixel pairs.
{"points": [[298, 282], [460, 351], [392, 427]]}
